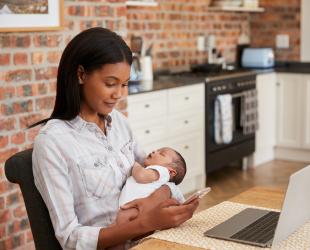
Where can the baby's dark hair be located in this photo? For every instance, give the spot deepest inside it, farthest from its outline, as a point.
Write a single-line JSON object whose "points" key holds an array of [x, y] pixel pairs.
{"points": [[179, 165]]}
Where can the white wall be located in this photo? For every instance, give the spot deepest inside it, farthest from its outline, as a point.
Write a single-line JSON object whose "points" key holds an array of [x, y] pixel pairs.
{"points": [[305, 30]]}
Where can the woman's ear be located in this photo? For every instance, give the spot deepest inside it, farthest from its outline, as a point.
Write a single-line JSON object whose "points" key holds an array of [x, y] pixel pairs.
{"points": [[81, 74]]}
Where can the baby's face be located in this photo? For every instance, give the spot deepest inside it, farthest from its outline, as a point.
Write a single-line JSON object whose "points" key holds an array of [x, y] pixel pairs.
{"points": [[162, 156]]}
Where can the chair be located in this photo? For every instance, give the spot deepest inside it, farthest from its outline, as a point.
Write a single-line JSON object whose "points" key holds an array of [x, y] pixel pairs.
{"points": [[18, 169]]}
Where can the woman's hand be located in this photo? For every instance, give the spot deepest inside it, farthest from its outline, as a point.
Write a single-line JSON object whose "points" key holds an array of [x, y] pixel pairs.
{"points": [[165, 214]]}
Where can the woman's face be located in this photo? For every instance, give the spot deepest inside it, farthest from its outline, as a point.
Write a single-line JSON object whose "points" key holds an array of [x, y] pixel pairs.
{"points": [[103, 88]]}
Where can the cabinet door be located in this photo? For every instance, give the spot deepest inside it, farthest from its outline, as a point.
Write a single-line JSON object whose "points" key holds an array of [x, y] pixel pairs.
{"points": [[306, 112], [289, 106], [266, 133], [191, 147]]}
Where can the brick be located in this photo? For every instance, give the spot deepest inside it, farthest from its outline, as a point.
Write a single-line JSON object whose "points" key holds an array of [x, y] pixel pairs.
{"points": [[13, 41], [2, 203], [46, 73], [4, 59], [121, 11], [37, 57], [52, 87], [31, 134], [13, 227], [7, 92], [2, 231], [20, 58], [18, 240], [18, 75], [29, 119], [6, 154], [5, 216], [101, 11], [45, 103], [14, 198], [24, 223], [6, 244], [17, 107], [7, 124], [20, 212], [18, 138], [53, 57], [3, 141], [6, 186], [44, 40], [29, 236]]}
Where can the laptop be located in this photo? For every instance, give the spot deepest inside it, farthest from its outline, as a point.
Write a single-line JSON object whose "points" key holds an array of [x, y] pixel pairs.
{"points": [[266, 228]]}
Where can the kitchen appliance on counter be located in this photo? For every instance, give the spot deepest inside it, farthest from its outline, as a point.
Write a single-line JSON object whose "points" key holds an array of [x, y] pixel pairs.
{"points": [[257, 58]]}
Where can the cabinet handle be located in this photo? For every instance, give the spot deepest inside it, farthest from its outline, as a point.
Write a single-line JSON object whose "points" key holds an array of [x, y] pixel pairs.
{"points": [[186, 98], [146, 105], [186, 147], [278, 84], [186, 121], [147, 131]]}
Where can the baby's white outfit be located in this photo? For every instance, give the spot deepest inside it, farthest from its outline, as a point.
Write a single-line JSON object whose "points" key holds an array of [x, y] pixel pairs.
{"points": [[133, 190]]}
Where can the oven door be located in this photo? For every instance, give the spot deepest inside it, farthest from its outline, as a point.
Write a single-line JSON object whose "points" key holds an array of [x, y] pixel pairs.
{"points": [[237, 130]]}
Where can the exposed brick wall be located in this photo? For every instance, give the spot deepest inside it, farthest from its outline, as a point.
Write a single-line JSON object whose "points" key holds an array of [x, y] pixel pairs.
{"points": [[173, 28], [28, 68], [280, 17]]}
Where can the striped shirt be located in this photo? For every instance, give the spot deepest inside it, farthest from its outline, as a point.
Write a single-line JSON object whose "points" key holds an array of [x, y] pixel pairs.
{"points": [[79, 172]]}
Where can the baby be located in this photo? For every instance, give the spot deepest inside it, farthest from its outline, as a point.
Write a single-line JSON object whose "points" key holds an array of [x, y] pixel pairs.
{"points": [[160, 167]]}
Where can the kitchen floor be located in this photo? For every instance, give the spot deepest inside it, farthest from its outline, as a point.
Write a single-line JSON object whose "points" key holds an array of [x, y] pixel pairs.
{"points": [[231, 181]]}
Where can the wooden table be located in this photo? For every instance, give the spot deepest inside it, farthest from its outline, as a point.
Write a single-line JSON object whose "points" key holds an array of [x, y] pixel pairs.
{"points": [[257, 196]]}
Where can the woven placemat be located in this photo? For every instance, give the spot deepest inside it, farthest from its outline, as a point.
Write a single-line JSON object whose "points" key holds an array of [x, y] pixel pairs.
{"points": [[191, 232]]}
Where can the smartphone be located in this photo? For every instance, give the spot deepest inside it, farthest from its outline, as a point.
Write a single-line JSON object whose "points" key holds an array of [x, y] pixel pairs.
{"points": [[198, 195]]}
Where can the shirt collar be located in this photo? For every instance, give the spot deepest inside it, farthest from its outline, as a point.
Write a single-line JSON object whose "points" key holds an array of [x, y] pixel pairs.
{"points": [[79, 123]]}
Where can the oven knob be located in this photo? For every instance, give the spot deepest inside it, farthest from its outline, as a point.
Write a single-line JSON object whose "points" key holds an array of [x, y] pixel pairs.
{"points": [[224, 87], [214, 89]]}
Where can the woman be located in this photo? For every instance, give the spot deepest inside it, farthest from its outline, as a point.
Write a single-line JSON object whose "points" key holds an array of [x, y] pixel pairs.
{"points": [[85, 151]]}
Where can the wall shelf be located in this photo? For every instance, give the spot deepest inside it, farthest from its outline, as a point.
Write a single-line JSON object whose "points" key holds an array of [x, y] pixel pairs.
{"points": [[236, 8], [142, 3]]}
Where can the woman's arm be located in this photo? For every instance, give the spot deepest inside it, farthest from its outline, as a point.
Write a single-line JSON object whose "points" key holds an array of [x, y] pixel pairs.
{"points": [[143, 175], [156, 212]]}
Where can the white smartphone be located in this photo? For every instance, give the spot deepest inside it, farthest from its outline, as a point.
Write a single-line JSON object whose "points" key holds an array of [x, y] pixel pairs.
{"points": [[198, 195]]}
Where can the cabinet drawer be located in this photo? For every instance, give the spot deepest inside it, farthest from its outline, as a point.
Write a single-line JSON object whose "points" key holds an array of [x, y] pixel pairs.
{"points": [[191, 147], [149, 105], [189, 97], [149, 131], [182, 124]]}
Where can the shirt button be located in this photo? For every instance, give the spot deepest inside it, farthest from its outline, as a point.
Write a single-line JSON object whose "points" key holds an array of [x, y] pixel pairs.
{"points": [[110, 148]]}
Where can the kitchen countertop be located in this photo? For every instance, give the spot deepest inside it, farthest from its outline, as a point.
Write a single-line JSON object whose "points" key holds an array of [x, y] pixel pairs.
{"points": [[167, 81]]}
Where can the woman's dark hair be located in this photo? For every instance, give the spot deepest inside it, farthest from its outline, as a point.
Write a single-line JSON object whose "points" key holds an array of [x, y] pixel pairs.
{"points": [[91, 49]]}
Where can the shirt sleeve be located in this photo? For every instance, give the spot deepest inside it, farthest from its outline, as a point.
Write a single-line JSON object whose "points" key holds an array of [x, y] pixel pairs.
{"points": [[176, 192], [163, 172], [52, 179]]}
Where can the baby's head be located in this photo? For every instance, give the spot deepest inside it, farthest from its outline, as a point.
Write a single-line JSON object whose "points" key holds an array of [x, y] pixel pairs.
{"points": [[171, 159]]}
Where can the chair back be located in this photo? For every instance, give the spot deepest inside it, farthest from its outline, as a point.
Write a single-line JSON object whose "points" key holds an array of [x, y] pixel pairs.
{"points": [[18, 169]]}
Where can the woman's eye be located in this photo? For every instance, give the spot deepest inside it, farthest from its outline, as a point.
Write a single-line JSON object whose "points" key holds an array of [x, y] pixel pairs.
{"points": [[125, 84], [110, 84]]}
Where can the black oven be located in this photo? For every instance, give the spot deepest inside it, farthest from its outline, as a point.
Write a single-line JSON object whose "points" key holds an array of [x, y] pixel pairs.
{"points": [[241, 145]]}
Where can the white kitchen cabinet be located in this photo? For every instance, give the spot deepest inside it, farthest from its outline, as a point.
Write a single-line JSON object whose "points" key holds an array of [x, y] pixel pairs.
{"points": [[173, 118], [266, 133], [293, 125], [306, 113]]}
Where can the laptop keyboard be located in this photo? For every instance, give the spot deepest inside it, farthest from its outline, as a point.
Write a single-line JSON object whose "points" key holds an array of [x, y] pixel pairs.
{"points": [[261, 230]]}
